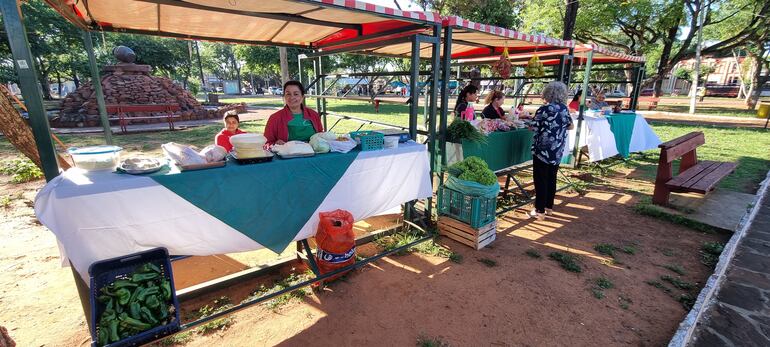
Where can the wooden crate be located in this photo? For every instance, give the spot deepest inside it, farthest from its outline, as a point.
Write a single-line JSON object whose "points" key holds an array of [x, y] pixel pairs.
{"points": [[477, 238]]}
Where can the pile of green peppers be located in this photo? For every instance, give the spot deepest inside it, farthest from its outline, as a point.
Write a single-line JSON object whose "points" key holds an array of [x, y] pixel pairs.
{"points": [[136, 303]]}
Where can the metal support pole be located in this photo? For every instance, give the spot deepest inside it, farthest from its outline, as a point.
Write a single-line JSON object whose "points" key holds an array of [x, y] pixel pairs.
{"points": [[446, 72], [567, 76], [586, 78], [24, 64], [415, 69], [96, 83], [435, 84], [321, 83], [635, 92]]}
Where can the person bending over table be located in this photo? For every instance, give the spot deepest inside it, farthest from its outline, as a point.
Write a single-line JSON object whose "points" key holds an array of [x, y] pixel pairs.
{"points": [[295, 121], [597, 102], [550, 125], [467, 95], [494, 107], [232, 122]]}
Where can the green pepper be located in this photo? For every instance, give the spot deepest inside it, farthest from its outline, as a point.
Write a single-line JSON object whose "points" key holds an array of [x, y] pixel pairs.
{"points": [[133, 323], [147, 268], [141, 277], [135, 310], [104, 336], [103, 298], [107, 316], [165, 287], [124, 283], [107, 290], [163, 312], [148, 291], [135, 294], [114, 331], [148, 317], [124, 295], [152, 301]]}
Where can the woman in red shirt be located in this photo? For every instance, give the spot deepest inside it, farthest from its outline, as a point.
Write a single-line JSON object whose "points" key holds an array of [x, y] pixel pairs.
{"points": [[232, 122], [295, 121]]}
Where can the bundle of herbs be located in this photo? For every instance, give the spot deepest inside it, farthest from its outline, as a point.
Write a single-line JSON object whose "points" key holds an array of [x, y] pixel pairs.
{"points": [[460, 129]]}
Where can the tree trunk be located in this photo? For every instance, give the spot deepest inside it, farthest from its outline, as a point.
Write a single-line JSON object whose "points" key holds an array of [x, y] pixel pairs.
{"points": [[58, 82], [43, 79], [237, 74], [18, 132], [741, 88], [75, 78], [284, 64], [664, 66], [754, 88]]}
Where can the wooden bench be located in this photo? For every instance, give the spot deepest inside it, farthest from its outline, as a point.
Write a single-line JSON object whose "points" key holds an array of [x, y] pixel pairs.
{"points": [[697, 177], [652, 102], [121, 111]]}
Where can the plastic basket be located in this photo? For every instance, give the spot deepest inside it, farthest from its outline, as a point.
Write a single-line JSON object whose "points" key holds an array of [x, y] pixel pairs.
{"points": [[104, 272], [477, 211], [369, 140]]}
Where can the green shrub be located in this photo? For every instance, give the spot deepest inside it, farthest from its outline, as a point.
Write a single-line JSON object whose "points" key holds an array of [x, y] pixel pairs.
{"points": [[20, 170]]}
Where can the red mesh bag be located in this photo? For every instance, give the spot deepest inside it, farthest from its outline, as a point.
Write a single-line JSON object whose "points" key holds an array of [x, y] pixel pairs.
{"points": [[336, 241]]}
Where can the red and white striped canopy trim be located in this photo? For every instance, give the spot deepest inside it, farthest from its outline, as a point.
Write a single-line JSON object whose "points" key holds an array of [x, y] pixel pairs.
{"points": [[611, 53], [456, 21], [419, 15]]}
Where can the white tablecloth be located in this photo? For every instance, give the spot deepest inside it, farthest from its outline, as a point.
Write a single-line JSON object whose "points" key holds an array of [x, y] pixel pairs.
{"points": [[598, 138], [101, 215]]}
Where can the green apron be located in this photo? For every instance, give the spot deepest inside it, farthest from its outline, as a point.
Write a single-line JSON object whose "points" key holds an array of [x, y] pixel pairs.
{"points": [[300, 129]]}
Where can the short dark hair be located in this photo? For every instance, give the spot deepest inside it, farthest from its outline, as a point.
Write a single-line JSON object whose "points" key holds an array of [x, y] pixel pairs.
{"points": [[231, 114], [298, 84]]}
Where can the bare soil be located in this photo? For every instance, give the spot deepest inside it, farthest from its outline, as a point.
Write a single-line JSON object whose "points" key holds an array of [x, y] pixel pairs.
{"points": [[398, 300]]}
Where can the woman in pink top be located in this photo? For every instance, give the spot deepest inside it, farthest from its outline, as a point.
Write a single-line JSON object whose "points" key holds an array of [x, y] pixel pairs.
{"points": [[232, 122]]}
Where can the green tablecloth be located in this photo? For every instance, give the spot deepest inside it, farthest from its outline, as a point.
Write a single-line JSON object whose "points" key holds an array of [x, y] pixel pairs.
{"points": [[622, 126], [503, 149], [259, 198]]}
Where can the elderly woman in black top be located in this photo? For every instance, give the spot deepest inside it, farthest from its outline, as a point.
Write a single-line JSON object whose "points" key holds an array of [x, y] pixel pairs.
{"points": [[551, 123], [494, 109]]}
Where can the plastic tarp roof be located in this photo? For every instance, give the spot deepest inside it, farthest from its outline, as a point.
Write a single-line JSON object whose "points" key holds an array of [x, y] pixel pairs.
{"points": [[601, 55], [314, 24]]}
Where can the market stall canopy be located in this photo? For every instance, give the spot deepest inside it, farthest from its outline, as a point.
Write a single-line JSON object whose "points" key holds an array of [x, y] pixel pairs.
{"points": [[601, 55], [314, 24], [475, 40]]}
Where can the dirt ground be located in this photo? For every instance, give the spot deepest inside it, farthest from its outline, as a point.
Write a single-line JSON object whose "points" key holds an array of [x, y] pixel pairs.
{"points": [[498, 296]]}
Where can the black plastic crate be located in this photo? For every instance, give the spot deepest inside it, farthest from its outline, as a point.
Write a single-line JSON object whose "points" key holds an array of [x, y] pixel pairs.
{"points": [[105, 272]]}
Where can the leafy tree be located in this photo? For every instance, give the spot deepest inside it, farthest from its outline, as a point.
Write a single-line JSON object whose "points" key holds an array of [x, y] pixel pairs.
{"points": [[502, 13]]}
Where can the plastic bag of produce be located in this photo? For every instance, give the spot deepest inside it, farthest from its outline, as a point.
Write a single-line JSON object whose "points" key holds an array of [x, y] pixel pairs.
{"points": [[214, 153], [473, 177], [319, 143], [336, 241], [342, 144], [182, 154]]}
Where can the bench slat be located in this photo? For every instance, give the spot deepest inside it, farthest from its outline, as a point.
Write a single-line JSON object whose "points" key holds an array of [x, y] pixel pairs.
{"points": [[693, 172], [682, 148], [687, 186], [708, 182], [680, 139]]}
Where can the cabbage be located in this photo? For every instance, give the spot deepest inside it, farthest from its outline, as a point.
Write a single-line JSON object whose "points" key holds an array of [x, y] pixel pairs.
{"points": [[319, 143]]}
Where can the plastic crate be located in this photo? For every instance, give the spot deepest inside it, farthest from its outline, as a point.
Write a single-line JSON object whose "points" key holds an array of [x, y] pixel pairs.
{"points": [[475, 210], [369, 140], [104, 272]]}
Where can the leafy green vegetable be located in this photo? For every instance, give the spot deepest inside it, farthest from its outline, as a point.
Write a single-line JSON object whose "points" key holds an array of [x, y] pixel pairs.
{"points": [[473, 169], [460, 129]]}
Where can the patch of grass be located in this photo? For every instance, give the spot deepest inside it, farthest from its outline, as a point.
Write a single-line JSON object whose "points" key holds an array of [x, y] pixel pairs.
{"points": [[488, 262], [645, 207], [456, 257], [598, 293], [629, 250], [606, 249], [425, 341], [624, 302], [220, 324], [291, 280], [5, 201], [604, 283], [676, 269], [659, 285], [677, 282], [709, 253], [533, 253], [21, 170], [580, 187], [667, 252], [687, 301], [178, 339], [567, 261]]}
